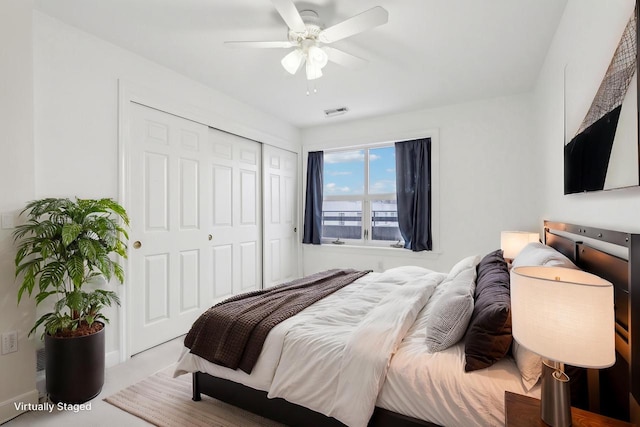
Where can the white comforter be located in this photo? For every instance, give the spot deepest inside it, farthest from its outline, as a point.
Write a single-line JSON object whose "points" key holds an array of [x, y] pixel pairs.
{"points": [[328, 358], [340, 371]]}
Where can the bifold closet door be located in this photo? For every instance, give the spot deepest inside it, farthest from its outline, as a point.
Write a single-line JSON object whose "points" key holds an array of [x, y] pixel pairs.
{"points": [[236, 221], [195, 212], [281, 215]]}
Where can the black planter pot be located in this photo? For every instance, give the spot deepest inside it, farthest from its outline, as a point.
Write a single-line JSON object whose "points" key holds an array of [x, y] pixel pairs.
{"points": [[74, 367]]}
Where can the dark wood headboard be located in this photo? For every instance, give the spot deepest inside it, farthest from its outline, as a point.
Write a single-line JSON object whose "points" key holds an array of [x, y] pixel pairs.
{"points": [[582, 245]]}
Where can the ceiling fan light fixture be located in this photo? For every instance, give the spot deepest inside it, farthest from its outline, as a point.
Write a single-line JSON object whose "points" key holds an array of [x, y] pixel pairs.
{"points": [[313, 71], [292, 61], [317, 56], [308, 36]]}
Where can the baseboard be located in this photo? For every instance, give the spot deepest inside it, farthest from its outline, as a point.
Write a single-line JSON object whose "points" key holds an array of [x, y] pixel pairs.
{"points": [[112, 358], [41, 384], [8, 408]]}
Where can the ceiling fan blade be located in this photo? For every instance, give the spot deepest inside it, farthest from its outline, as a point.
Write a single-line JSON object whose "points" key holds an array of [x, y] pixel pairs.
{"points": [[290, 14], [345, 59], [262, 45], [354, 25]]}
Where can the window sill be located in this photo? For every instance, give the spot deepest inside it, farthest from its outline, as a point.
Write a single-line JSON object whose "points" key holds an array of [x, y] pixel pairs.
{"points": [[374, 250]]}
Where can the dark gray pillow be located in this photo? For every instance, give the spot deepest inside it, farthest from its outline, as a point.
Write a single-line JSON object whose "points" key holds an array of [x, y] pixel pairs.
{"points": [[449, 319], [489, 333]]}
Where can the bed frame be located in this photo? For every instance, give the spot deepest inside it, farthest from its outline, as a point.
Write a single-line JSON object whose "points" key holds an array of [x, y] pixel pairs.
{"points": [[619, 386], [615, 391]]}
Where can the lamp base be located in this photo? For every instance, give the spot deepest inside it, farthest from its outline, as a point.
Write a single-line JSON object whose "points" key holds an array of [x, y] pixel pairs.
{"points": [[555, 407]]}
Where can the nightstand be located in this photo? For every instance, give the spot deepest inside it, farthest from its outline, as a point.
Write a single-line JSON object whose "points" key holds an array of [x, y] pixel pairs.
{"points": [[524, 411]]}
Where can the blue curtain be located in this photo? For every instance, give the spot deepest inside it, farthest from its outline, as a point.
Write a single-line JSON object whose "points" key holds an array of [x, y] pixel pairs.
{"points": [[413, 187], [313, 205]]}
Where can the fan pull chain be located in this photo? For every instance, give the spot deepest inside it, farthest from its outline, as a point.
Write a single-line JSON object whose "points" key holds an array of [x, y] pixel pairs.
{"points": [[315, 89]]}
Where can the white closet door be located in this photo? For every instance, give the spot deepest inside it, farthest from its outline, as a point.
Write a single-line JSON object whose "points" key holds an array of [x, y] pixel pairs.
{"points": [[195, 222], [168, 233], [235, 255], [281, 219]]}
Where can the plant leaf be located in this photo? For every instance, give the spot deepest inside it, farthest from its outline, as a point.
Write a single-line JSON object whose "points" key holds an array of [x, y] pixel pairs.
{"points": [[43, 295], [52, 275], [75, 269], [70, 232]]}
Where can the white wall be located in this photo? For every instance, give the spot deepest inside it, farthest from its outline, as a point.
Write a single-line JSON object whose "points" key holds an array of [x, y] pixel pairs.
{"points": [[76, 115], [586, 38], [489, 179], [17, 370]]}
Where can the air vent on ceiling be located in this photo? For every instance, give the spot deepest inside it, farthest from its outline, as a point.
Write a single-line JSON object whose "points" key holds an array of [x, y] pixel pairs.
{"points": [[335, 111]]}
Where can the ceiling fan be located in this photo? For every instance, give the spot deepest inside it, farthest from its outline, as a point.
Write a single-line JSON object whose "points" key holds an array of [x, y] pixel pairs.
{"points": [[309, 37]]}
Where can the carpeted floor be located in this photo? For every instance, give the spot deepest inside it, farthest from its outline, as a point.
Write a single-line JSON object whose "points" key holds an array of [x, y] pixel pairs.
{"points": [[166, 402]]}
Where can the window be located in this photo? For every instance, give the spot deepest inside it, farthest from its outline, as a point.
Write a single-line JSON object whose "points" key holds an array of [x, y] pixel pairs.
{"points": [[359, 196]]}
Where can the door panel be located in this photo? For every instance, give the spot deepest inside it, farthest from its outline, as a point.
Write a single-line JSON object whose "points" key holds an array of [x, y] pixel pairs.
{"points": [[222, 271], [189, 213], [189, 280], [166, 207], [280, 234], [156, 288], [248, 191], [249, 261], [156, 192], [237, 217]]}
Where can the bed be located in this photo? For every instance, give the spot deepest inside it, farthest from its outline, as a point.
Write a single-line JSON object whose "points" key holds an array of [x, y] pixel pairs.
{"points": [[412, 386]]}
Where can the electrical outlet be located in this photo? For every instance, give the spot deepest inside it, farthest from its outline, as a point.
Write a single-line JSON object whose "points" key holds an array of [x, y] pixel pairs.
{"points": [[9, 342]]}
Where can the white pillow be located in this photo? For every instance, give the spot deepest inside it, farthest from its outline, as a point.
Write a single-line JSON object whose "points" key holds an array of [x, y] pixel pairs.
{"points": [[537, 254], [408, 269], [448, 320], [529, 364], [462, 265]]}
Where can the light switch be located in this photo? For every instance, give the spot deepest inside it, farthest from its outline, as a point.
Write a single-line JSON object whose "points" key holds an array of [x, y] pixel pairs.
{"points": [[7, 221]]}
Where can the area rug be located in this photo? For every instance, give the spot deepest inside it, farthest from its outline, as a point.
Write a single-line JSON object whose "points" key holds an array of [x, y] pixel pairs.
{"points": [[166, 402]]}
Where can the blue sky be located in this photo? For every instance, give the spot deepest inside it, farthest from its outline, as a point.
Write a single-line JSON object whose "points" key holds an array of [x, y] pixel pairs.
{"points": [[344, 172]]}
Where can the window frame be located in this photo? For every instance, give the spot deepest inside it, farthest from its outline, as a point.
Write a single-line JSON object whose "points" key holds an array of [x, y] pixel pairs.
{"points": [[370, 134], [366, 198]]}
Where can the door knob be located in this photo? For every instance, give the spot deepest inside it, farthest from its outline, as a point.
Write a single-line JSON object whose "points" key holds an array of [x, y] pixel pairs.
{"points": [[210, 237], [137, 244]]}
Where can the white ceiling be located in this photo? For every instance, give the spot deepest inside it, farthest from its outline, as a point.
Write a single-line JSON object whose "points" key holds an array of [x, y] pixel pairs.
{"points": [[431, 52]]}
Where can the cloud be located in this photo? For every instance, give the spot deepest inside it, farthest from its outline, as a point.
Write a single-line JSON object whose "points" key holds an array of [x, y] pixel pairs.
{"points": [[383, 186], [332, 188], [374, 157], [391, 170], [339, 173], [344, 156]]}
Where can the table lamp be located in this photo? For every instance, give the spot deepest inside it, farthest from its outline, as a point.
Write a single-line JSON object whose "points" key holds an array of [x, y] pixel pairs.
{"points": [[512, 242], [565, 316]]}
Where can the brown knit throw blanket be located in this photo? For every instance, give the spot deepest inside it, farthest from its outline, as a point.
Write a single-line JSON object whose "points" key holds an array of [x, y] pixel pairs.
{"points": [[233, 332]]}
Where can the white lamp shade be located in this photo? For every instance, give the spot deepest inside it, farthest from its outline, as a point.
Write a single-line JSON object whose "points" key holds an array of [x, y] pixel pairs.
{"points": [[292, 61], [317, 56], [313, 72], [512, 242], [563, 314]]}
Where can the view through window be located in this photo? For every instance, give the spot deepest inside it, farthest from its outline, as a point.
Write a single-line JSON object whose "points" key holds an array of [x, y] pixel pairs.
{"points": [[359, 196]]}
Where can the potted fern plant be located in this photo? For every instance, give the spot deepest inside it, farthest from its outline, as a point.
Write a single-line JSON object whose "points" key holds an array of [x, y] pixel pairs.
{"points": [[64, 248]]}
